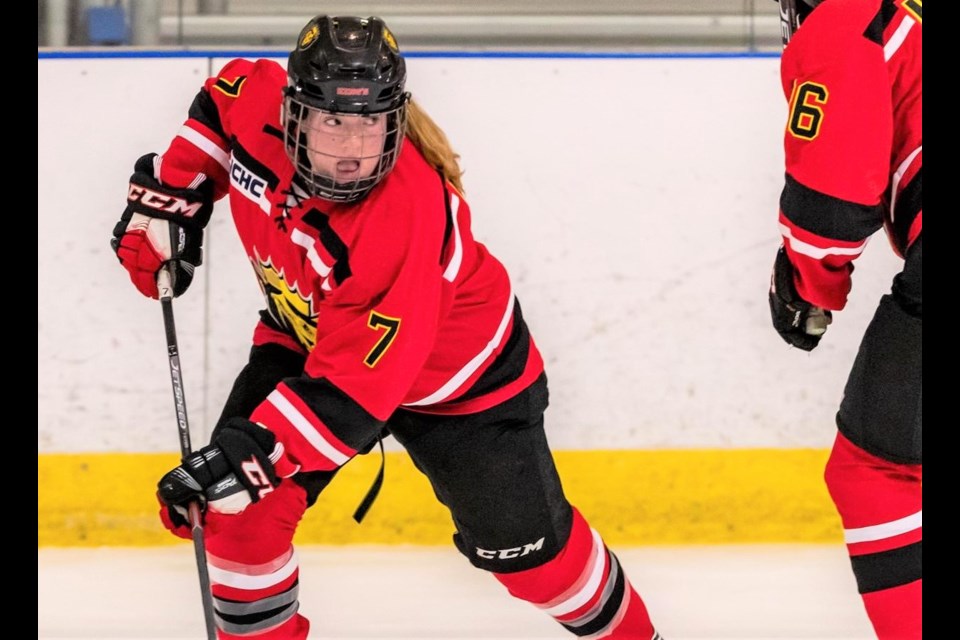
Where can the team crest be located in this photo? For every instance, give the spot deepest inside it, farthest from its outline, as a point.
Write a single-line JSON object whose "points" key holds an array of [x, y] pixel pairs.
{"points": [[286, 304], [309, 36], [389, 39]]}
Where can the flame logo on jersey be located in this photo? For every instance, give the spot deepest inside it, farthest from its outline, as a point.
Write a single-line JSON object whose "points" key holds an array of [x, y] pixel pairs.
{"points": [[309, 36], [287, 306]]}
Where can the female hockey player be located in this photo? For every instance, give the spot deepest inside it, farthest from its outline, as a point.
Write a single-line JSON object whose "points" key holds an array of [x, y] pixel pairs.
{"points": [[382, 315]]}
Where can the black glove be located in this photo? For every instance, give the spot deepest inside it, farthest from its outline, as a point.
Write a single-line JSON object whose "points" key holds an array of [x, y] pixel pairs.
{"points": [[227, 475], [797, 321], [161, 225]]}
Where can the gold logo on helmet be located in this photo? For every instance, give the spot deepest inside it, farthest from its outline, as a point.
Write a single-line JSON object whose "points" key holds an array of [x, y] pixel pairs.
{"points": [[389, 39], [309, 36]]}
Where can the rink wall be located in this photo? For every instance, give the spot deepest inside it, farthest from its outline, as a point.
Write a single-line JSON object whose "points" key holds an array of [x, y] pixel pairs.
{"points": [[633, 198]]}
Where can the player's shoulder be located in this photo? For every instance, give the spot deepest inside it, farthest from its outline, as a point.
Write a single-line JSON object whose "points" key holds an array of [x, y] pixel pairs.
{"points": [[421, 184], [413, 198], [845, 18], [835, 35], [239, 71]]}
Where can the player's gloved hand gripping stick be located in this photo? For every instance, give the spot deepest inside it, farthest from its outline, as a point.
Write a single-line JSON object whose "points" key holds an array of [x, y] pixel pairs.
{"points": [[166, 291]]}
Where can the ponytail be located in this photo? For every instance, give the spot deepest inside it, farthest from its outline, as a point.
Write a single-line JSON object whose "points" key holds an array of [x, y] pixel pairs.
{"points": [[432, 142]]}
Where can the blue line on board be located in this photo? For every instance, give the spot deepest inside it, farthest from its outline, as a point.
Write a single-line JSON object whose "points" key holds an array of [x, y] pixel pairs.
{"points": [[87, 54]]}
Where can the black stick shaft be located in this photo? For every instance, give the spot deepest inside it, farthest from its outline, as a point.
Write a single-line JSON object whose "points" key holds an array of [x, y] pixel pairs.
{"points": [[165, 287]]}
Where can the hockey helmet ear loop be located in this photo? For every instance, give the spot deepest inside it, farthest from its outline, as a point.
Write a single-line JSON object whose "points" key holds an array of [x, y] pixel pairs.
{"points": [[374, 490]]}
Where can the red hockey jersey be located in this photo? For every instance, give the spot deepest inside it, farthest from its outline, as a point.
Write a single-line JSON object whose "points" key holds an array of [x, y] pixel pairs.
{"points": [[852, 74], [391, 298]]}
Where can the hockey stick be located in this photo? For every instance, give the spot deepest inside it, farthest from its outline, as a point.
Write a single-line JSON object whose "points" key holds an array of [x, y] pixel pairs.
{"points": [[165, 286]]}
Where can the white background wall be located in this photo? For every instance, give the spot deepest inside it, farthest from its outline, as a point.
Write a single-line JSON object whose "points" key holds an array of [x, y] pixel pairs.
{"points": [[634, 201]]}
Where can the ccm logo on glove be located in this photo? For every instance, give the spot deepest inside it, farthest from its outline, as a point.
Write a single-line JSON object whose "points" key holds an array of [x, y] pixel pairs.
{"points": [[162, 225], [256, 476], [162, 201]]}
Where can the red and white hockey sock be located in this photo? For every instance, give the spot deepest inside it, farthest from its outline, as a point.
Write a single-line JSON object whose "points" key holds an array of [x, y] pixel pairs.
{"points": [[254, 572], [585, 589], [257, 601], [880, 503]]}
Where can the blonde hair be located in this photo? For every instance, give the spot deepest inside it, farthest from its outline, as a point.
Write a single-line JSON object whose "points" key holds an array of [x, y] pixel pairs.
{"points": [[432, 142]]}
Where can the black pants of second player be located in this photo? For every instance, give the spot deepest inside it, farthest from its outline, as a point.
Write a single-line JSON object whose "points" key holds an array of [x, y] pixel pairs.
{"points": [[875, 470]]}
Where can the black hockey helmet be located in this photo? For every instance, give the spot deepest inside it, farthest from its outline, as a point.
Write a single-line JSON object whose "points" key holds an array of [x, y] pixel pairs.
{"points": [[792, 14], [345, 65]]}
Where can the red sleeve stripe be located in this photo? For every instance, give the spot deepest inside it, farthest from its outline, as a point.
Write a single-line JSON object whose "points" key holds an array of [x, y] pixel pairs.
{"points": [[308, 243], [594, 572], [250, 578], [884, 530], [898, 37], [470, 368], [898, 176], [819, 253], [310, 427], [453, 267], [205, 144]]}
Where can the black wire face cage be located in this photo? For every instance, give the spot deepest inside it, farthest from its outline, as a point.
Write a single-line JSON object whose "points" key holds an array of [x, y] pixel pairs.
{"points": [[363, 145]]}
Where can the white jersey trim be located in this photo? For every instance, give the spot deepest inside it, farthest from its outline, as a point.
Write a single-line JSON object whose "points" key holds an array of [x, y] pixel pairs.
{"points": [[885, 530], [302, 424], [302, 239], [818, 253], [897, 175], [470, 368], [206, 145], [898, 38], [453, 268]]}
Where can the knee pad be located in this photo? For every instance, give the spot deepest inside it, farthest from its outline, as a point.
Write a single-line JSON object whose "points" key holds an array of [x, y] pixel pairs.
{"points": [[880, 504], [882, 407], [511, 513]]}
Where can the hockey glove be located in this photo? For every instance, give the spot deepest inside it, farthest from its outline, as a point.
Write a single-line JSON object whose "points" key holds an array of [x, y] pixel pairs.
{"points": [[797, 321], [238, 468], [161, 225]]}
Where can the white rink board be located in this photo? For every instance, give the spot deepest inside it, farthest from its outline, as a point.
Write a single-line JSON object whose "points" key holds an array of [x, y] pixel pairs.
{"points": [[633, 200]]}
